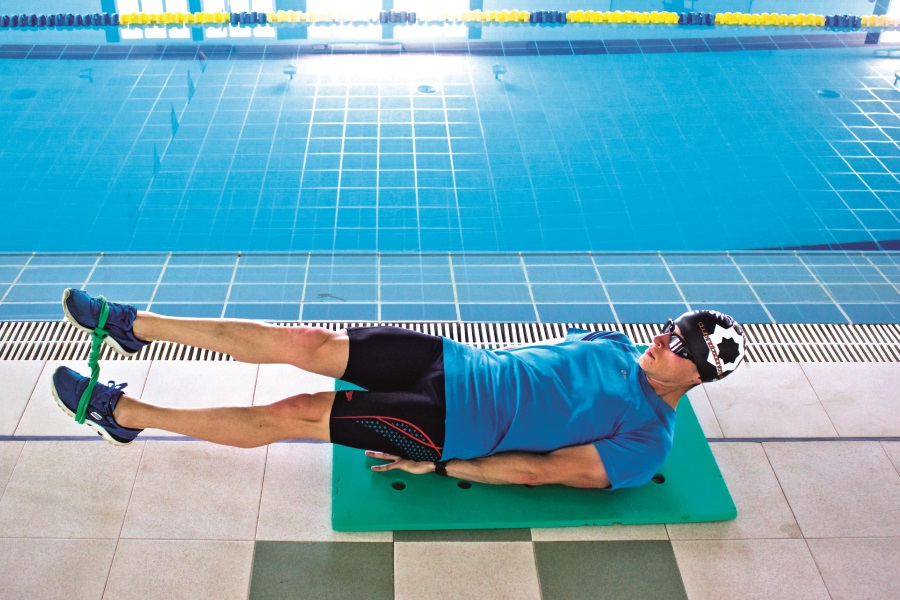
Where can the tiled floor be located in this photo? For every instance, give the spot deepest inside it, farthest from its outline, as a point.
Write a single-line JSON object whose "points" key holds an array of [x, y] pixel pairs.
{"points": [[754, 287], [170, 518]]}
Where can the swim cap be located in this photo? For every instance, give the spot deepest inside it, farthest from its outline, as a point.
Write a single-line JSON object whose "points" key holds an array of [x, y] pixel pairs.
{"points": [[714, 340]]}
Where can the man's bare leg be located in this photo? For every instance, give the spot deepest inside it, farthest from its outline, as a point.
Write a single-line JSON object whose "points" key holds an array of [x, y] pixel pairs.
{"points": [[312, 349], [301, 416]]}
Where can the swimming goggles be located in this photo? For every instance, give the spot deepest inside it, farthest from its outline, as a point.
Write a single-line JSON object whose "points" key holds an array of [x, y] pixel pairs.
{"points": [[676, 342]]}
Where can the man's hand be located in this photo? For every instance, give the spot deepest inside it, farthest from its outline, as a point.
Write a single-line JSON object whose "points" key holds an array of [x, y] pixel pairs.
{"points": [[404, 464]]}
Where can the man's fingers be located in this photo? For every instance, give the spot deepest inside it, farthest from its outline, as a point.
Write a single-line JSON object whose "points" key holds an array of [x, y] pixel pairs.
{"points": [[395, 460], [381, 455]]}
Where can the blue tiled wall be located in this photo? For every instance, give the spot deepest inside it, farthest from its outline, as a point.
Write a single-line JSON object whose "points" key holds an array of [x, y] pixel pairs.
{"points": [[758, 287]]}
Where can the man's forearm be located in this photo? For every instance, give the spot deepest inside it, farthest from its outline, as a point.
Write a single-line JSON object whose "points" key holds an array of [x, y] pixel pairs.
{"points": [[499, 469]]}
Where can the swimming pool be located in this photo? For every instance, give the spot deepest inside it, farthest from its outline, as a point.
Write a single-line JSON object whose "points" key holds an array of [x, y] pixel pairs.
{"points": [[640, 140]]}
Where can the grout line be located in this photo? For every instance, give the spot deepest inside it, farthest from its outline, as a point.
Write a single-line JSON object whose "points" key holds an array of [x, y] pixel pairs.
{"points": [[609, 301], [458, 228], [453, 284], [200, 148], [125, 514], [818, 569], [18, 275], [415, 167], [262, 484], [312, 114], [537, 316], [378, 124], [672, 277], [896, 466], [237, 262], [885, 277], [712, 408], [781, 488], [752, 289], [537, 570], [91, 272], [337, 201], [303, 292], [822, 285], [495, 210], [13, 470], [159, 280], [30, 396], [267, 169], [818, 399]]}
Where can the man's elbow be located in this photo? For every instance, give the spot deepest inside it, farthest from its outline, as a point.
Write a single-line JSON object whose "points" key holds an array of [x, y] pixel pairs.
{"points": [[590, 480]]}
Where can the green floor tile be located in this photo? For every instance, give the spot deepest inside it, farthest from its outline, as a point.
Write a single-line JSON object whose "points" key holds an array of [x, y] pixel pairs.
{"points": [[334, 570], [628, 570], [464, 535]]}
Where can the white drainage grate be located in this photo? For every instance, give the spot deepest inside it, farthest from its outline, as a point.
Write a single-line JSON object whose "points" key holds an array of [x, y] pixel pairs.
{"points": [[58, 340]]}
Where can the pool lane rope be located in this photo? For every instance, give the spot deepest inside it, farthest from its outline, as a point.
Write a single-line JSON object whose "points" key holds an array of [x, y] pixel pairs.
{"points": [[471, 17], [97, 336]]}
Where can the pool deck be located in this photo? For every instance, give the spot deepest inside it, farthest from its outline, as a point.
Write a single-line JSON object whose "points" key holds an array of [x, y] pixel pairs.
{"points": [[180, 518]]}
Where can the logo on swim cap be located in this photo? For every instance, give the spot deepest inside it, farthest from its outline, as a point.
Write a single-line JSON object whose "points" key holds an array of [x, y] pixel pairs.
{"points": [[724, 348], [715, 340]]}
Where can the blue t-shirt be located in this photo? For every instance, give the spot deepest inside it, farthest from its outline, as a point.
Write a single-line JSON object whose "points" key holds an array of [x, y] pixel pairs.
{"points": [[587, 389]]}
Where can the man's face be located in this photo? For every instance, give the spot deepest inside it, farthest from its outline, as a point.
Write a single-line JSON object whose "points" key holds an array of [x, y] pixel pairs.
{"points": [[660, 363]]}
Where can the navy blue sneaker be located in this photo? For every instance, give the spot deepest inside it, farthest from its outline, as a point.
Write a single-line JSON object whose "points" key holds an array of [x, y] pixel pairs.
{"points": [[83, 311], [67, 389]]}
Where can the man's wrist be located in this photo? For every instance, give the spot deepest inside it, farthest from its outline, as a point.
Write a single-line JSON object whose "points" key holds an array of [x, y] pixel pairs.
{"points": [[440, 467]]}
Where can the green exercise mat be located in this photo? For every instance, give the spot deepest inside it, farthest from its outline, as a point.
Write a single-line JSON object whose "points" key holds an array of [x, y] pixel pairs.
{"points": [[689, 488]]}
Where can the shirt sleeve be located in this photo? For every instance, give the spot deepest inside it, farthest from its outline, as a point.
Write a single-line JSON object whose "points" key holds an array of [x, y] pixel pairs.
{"points": [[631, 459]]}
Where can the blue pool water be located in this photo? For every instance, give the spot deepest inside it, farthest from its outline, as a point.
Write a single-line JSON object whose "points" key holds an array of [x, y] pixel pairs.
{"points": [[501, 174], [697, 151]]}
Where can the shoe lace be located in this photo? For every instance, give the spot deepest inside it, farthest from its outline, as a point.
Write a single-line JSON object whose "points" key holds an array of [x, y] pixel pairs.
{"points": [[114, 387]]}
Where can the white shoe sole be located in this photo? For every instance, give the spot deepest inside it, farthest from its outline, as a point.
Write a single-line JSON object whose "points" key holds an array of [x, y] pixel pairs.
{"points": [[109, 341]]}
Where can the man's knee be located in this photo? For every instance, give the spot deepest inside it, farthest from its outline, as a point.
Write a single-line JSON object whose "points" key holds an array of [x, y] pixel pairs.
{"points": [[319, 350], [304, 408]]}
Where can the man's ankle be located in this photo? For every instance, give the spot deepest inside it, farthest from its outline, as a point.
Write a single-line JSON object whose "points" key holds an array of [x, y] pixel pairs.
{"points": [[142, 325], [122, 413]]}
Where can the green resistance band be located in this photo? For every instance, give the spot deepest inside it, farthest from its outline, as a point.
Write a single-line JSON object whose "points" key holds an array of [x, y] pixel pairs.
{"points": [[97, 337]]}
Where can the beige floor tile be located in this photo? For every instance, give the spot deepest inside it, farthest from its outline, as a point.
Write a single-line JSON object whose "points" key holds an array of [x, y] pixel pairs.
{"points": [[768, 400], [199, 384], [893, 451], [54, 569], [495, 570], [19, 378], [858, 567], [277, 382], [763, 511], [165, 569], [69, 489], [9, 455], [196, 491], [861, 399], [748, 569], [296, 497], [703, 410], [838, 489], [42, 416], [602, 534]]}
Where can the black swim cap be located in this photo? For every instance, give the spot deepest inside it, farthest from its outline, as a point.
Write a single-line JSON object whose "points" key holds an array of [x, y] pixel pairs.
{"points": [[714, 340]]}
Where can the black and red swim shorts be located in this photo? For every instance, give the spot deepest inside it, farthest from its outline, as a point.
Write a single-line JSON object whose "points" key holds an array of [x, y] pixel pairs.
{"points": [[403, 409]]}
